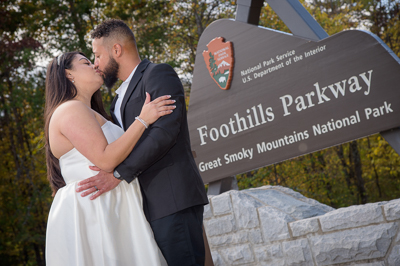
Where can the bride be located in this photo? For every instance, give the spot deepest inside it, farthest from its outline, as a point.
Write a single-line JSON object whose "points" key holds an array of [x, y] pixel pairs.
{"points": [[111, 230]]}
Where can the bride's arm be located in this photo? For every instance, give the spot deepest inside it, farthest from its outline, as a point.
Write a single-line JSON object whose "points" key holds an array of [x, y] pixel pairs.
{"points": [[78, 124]]}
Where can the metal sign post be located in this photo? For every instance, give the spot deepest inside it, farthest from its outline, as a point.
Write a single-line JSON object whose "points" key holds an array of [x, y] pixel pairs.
{"points": [[291, 12]]}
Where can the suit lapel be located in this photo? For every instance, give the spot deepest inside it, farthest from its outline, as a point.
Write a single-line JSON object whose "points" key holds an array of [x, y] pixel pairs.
{"points": [[132, 85], [112, 108]]}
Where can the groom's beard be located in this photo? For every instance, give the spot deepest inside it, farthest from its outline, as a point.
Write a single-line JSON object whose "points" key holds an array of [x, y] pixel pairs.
{"points": [[111, 73]]}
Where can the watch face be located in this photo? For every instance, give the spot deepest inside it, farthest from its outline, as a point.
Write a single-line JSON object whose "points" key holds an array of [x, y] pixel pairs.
{"points": [[117, 175]]}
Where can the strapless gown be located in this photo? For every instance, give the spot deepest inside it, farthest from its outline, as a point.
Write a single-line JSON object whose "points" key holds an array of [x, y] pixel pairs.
{"points": [[110, 230]]}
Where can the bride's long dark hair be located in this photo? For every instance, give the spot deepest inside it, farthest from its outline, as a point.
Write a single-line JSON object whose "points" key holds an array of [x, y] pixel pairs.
{"points": [[60, 89]]}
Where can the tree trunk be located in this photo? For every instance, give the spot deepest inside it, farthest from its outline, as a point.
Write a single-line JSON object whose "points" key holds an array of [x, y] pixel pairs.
{"points": [[340, 154], [375, 172], [358, 172]]}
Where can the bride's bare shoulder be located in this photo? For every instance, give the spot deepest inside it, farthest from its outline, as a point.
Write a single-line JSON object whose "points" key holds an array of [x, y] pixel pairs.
{"points": [[71, 105], [72, 110]]}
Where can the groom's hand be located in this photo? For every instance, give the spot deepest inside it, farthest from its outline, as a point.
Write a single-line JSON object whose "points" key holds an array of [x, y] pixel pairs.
{"points": [[102, 182]]}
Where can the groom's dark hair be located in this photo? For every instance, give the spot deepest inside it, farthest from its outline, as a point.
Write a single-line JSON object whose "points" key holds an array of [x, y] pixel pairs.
{"points": [[113, 28]]}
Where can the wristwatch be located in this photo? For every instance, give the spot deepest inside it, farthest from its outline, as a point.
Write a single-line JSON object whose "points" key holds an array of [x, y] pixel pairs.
{"points": [[117, 175]]}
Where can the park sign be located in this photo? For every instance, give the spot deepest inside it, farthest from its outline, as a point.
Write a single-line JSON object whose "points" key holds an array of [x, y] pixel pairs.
{"points": [[287, 96]]}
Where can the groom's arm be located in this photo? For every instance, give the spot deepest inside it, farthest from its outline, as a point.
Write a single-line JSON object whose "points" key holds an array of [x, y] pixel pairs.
{"points": [[162, 135]]}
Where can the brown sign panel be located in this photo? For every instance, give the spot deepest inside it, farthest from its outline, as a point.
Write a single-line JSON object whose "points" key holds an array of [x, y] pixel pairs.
{"points": [[288, 96]]}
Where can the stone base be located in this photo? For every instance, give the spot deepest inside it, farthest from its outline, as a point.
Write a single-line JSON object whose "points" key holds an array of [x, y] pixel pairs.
{"points": [[273, 225]]}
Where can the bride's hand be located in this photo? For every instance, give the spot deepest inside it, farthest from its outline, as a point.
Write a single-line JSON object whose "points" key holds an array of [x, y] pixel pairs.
{"points": [[152, 110]]}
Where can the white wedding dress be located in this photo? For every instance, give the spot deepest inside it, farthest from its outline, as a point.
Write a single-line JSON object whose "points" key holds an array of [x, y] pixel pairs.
{"points": [[110, 230]]}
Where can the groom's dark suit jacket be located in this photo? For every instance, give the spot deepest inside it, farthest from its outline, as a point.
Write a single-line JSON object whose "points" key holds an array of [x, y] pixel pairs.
{"points": [[162, 159]]}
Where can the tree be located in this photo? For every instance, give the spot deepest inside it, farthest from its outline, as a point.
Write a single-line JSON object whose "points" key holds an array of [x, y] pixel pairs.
{"points": [[29, 30], [213, 66], [23, 199]]}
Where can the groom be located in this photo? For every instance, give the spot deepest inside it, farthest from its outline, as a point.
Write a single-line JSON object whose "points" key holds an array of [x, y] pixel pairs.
{"points": [[172, 189]]}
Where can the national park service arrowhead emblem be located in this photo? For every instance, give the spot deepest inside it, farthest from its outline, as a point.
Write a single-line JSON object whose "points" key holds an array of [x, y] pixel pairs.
{"points": [[219, 61]]}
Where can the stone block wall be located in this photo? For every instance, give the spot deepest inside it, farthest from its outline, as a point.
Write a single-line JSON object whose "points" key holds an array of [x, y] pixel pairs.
{"points": [[273, 225]]}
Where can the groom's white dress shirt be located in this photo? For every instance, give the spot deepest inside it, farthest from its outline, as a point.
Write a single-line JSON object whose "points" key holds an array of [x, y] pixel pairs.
{"points": [[121, 93]]}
